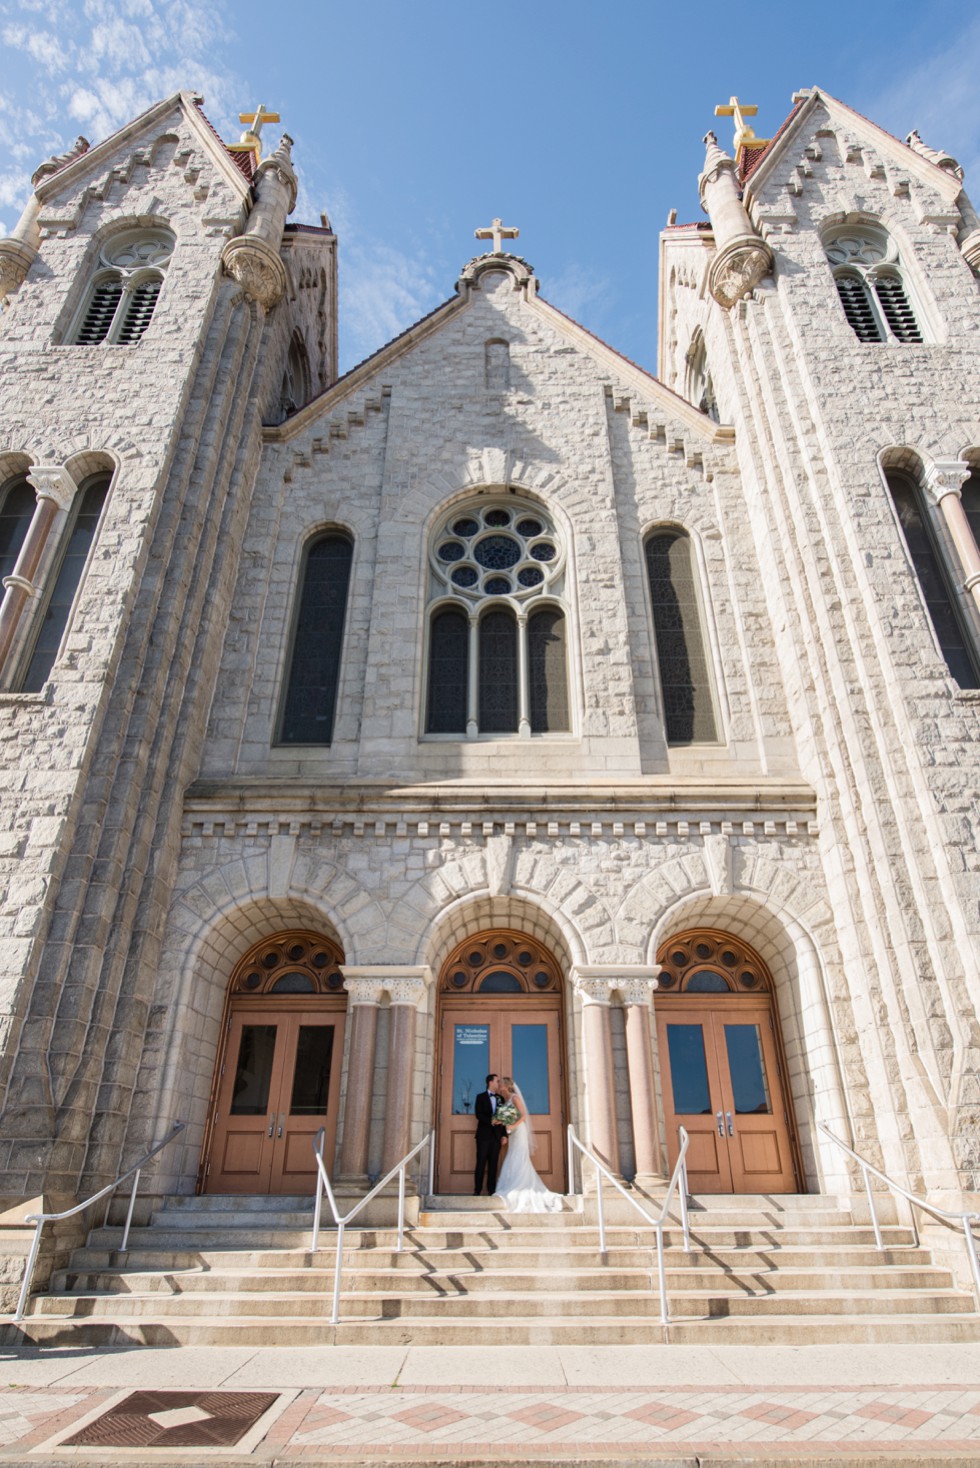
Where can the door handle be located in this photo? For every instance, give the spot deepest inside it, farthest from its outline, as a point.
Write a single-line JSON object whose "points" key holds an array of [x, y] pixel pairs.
{"points": [[728, 1117], [282, 1116], [721, 1125], [272, 1123]]}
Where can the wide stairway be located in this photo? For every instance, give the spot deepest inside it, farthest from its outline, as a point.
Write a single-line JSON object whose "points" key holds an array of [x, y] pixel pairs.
{"points": [[239, 1271]]}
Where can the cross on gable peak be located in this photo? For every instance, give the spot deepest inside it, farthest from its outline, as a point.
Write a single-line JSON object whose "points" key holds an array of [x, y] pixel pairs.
{"points": [[745, 136], [498, 232]]}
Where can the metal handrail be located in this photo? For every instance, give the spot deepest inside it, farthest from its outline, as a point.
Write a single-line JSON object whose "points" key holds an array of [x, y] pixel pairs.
{"points": [[945, 1215], [40, 1219], [323, 1186], [679, 1172]]}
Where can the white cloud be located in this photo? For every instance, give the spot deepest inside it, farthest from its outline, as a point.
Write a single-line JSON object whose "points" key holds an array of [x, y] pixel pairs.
{"points": [[939, 97], [382, 291]]}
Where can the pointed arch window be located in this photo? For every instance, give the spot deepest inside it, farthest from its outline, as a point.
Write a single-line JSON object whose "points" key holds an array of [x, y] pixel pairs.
{"points": [[935, 583], [871, 284], [497, 656], [122, 297], [685, 683], [310, 703], [700, 388], [64, 583]]}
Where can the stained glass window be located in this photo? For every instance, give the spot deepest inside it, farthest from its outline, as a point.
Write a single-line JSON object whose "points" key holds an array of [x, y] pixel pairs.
{"points": [[936, 592], [549, 680], [16, 512], [498, 673], [685, 686], [66, 584], [311, 692], [449, 642]]}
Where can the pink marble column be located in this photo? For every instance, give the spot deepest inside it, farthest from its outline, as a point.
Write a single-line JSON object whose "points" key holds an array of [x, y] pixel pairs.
{"points": [[600, 1082], [636, 991], [55, 489], [944, 480], [407, 992], [364, 995]]}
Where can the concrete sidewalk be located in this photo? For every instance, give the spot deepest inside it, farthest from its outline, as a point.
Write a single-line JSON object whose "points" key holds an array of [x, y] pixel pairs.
{"points": [[810, 1405]]}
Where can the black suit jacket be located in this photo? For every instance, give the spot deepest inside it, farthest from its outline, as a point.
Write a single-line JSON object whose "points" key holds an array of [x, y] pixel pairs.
{"points": [[483, 1111]]}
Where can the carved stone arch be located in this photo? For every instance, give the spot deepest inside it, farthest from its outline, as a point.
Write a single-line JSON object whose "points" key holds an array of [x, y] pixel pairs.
{"points": [[478, 912]]}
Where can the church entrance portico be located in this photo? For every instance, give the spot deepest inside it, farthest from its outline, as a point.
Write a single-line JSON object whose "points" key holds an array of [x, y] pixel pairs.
{"points": [[278, 1078], [500, 1012]]}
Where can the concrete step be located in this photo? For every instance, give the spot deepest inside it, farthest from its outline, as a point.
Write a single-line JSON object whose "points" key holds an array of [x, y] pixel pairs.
{"points": [[450, 1330], [569, 1304], [496, 1279]]}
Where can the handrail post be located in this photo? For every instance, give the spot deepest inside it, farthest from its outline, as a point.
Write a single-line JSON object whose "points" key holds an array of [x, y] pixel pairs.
{"points": [[25, 1288], [874, 1211], [432, 1163], [124, 1245], [335, 1315], [662, 1275], [602, 1212], [571, 1161], [971, 1249], [401, 1208], [685, 1221]]}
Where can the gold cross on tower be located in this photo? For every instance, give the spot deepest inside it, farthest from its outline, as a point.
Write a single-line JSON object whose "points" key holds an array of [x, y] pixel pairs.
{"points": [[744, 134], [497, 232], [250, 141]]}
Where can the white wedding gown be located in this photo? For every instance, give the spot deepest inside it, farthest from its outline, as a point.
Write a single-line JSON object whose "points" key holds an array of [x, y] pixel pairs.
{"points": [[518, 1185]]}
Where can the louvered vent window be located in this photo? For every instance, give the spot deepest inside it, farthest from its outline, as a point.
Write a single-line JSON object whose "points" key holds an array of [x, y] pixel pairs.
{"points": [[871, 285], [120, 303], [685, 684], [497, 657]]}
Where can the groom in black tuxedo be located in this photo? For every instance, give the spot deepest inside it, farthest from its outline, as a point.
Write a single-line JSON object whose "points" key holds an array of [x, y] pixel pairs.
{"points": [[489, 1135]]}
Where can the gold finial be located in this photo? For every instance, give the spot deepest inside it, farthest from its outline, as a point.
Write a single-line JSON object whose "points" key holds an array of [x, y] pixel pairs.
{"points": [[497, 232], [744, 134], [250, 140]]}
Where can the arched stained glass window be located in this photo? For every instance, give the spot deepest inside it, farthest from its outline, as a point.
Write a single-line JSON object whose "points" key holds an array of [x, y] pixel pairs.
{"points": [[547, 669], [970, 495], [498, 672], [17, 505], [449, 642], [685, 685], [314, 669], [57, 611], [496, 558], [937, 592]]}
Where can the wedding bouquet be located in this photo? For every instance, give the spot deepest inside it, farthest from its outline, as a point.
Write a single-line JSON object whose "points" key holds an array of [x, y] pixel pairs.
{"points": [[508, 1114]]}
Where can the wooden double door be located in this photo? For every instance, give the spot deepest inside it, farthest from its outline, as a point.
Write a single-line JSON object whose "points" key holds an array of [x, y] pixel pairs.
{"points": [[504, 1035], [278, 1084], [722, 1082]]}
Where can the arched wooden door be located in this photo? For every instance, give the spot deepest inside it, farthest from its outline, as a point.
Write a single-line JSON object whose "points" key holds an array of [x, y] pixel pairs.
{"points": [[278, 1077], [500, 1011], [724, 1074]]}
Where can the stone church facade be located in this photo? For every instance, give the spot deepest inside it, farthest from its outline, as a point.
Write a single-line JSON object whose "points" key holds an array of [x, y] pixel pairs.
{"points": [[497, 705]]}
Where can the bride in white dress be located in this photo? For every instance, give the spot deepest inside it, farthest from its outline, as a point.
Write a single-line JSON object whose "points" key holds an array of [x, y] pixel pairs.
{"points": [[518, 1185]]}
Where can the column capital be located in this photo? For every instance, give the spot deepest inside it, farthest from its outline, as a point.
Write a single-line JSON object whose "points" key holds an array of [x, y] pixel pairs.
{"points": [[53, 482], [596, 983], [403, 983], [20, 583], [946, 476]]}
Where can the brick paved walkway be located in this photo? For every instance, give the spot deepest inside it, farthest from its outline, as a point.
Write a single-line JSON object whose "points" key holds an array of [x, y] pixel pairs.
{"points": [[551, 1424]]}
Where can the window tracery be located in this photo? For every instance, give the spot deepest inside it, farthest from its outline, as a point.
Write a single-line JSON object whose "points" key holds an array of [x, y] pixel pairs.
{"points": [[685, 682], [122, 297], [870, 281], [497, 653], [314, 666]]}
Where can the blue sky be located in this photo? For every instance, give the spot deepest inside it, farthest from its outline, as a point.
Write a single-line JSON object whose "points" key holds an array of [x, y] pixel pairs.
{"points": [[417, 120]]}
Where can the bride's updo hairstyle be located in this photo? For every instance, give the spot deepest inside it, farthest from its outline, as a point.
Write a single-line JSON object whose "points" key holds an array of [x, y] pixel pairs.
{"points": [[508, 1082]]}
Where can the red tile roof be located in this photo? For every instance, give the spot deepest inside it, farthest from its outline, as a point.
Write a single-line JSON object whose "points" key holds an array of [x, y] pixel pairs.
{"points": [[748, 159], [244, 162]]}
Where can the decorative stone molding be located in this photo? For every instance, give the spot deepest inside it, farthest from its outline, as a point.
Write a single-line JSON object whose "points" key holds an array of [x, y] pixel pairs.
{"points": [[20, 583], [16, 259], [57, 161], [521, 272], [362, 987], [738, 268], [942, 159], [970, 250], [280, 164], [636, 985], [257, 268], [53, 482], [946, 476], [594, 984]]}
